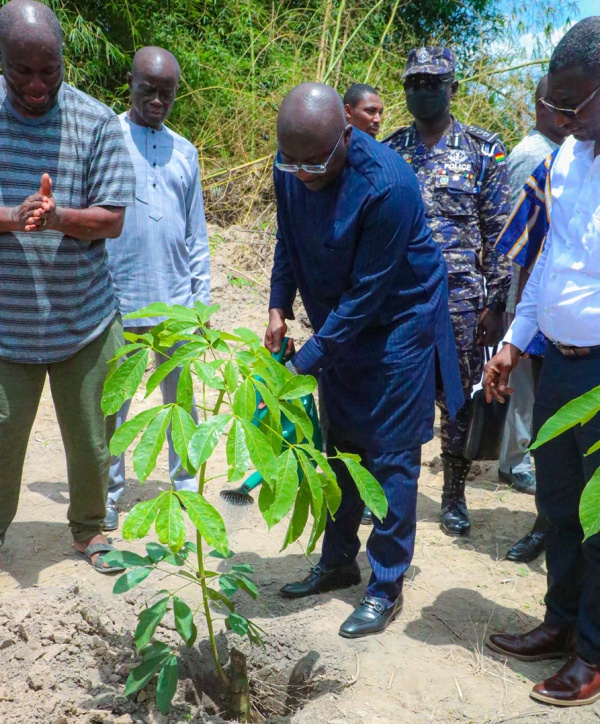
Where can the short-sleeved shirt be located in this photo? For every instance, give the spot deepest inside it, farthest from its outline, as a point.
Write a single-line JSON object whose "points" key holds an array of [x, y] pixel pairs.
{"points": [[56, 295], [162, 254]]}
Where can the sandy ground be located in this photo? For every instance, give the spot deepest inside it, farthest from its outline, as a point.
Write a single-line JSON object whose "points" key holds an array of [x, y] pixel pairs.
{"points": [[65, 640]]}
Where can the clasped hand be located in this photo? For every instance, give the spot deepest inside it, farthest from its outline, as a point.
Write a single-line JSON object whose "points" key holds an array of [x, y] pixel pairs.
{"points": [[38, 211]]}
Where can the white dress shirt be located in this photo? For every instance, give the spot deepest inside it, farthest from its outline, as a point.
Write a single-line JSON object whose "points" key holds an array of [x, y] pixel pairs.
{"points": [[562, 296], [162, 254]]}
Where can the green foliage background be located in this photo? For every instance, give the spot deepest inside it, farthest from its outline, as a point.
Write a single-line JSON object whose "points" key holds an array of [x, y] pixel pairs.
{"points": [[239, 57]]}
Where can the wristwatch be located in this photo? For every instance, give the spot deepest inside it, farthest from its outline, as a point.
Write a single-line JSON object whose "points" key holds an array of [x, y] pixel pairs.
{"points": [[290, 367]]}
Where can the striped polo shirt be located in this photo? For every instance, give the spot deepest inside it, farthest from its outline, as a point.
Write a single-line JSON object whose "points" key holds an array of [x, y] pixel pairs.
{"points": [[56, 295]]}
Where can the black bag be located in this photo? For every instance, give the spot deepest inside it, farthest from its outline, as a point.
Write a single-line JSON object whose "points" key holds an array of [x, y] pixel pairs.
{"points": [[486, 426]]}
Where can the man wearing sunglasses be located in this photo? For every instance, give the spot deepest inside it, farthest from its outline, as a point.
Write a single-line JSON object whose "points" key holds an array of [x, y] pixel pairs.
{"points": [[562, 300], [352, 239], [463, 178]]}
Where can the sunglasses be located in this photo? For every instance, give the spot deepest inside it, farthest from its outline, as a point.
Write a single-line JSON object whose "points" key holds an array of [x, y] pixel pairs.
{"points": [[308, 167], [568, 112]]}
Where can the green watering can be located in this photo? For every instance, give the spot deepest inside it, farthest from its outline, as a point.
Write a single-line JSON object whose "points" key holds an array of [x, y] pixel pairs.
{"points": [[241, 495]]}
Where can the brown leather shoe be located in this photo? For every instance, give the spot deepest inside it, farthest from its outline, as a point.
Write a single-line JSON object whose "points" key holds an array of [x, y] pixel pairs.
{"points": [[544, 642], [576, 684]]}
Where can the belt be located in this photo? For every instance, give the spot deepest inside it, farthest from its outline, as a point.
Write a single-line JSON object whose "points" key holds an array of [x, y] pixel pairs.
{"points": [[570, 350]]}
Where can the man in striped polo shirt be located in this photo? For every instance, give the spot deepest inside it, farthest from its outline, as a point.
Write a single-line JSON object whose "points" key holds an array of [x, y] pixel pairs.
{"points": [[66, 178]]}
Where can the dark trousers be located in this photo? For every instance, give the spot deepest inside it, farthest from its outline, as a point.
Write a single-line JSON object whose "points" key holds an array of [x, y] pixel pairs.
{"points": [[392, 541], [573, 596]]}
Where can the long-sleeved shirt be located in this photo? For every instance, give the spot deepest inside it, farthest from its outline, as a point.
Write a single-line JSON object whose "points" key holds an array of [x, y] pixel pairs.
{"points": [[162, 254], [374, 286], [464, 183], [562, 296]]}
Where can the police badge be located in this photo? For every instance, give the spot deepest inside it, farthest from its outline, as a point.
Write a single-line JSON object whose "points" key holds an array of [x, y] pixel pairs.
{"points": [[423, 56]]}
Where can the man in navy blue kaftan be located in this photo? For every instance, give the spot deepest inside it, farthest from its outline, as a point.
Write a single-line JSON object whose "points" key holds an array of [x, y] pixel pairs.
{"points": [[352, 239]]}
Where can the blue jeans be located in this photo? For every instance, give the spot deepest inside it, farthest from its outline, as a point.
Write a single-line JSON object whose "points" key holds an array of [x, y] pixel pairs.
{"points": [[391, 544], [182, 479], [562, 469]]}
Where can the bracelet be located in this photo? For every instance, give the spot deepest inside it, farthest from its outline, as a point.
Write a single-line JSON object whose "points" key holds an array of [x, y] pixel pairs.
{"points": [[290, 367]]}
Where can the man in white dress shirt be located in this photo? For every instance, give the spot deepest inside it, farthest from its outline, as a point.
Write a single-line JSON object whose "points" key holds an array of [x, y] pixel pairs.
{"points": [[562, 299], [162, 254]]}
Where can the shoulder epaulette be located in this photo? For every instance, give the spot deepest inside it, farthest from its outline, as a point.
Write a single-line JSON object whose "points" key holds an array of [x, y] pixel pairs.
{"points": [[481, 133], [395, 134]]}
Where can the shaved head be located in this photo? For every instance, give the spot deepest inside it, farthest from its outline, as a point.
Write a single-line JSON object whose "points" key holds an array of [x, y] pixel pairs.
{"points": [[30, 20], [153, 83], [312, 130], [311, 109], [156, 61]]}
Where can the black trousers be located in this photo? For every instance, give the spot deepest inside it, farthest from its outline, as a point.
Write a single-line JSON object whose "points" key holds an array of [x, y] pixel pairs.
{"points": [[573, 595]]}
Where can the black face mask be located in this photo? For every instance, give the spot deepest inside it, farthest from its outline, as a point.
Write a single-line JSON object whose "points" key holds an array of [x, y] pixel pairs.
{"points": [[426, 104]]}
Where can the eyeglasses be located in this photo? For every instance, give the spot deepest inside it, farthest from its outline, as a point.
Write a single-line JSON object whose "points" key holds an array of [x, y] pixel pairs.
{"points": [[308, 167], [568, 112], [430, 82]]}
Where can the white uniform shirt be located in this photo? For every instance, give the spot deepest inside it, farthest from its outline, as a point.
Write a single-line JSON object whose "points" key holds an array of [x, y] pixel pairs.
{"points": [[562, 296]]}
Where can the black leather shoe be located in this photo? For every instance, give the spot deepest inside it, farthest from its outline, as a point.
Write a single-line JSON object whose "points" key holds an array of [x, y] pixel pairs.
{"points": [[367, 517], [321, 580], [521, 482], [372, 616], [528, 548], [111, 519]]}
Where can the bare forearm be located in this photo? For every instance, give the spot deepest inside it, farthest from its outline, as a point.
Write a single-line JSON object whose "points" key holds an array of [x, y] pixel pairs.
{"points": [[97, 222], [7, 221]]}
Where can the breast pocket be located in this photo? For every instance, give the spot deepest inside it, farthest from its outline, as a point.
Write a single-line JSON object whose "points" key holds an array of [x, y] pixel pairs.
{"points": [[454, 195]]}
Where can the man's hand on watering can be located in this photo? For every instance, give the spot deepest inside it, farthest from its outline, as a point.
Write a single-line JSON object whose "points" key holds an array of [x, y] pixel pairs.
{"points": [[276, 331]]}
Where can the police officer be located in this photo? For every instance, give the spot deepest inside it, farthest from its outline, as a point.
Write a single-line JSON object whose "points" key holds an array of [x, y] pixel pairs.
{"points": [[463, 178]]}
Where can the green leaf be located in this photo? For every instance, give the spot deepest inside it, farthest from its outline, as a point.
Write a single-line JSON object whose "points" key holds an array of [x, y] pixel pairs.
{"points": [[219, 598], [148, 620], [141, 675], [320, 460], [285, 488], [156, 552], [589, 506], [573, 413], [260, 451], [127, 559], [207, 520], [128, 431], [267, 396], [222, 556], [368, 487], [248, 586], [231, 376], [159, 309], [169, 522], [333, 494], [184, 621], [299, 516], [237, 623], [319, 522], [205, 439], [242, 568], [140, 518], [244, 400], [131, 579], [121, 384], [271, 428], [238, 457], [148, 448], [248, 337], [297, 386], [178, 359], [229, 584], [207, 373], [183, 429], [166, 686], [314, 483], [185, 388], [127, 349], [594, 448], [297, 414], [205, 311], [265, 498]]}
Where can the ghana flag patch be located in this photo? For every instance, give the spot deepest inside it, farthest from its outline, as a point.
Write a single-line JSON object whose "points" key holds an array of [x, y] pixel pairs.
{"points": [[499, 156]]}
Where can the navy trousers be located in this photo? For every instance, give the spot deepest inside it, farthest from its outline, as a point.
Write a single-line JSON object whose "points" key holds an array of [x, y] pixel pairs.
{"points": [[392, 541], [562, 471]]}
